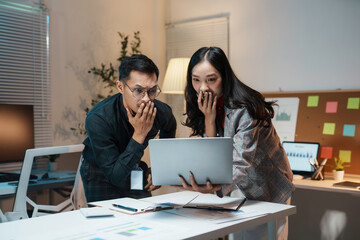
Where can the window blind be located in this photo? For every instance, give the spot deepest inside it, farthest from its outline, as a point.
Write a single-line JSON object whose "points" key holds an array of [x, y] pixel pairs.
{"points": [[183, 39], [24, 62]]}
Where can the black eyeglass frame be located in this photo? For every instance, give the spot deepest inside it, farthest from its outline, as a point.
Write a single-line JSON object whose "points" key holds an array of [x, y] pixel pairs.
{"points": [[158, 91]]}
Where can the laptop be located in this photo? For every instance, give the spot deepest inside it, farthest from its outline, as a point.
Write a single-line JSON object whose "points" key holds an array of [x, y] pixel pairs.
{"points": [[299, 154], [206, 158]]}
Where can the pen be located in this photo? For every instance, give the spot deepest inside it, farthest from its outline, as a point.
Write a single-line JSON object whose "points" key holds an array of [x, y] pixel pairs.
{"points": [[312, 164], [316, 162], [125, 208], [323, 162]]}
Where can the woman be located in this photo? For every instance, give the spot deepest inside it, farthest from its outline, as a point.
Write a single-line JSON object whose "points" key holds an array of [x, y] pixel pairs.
{"points": [[219, 104]]}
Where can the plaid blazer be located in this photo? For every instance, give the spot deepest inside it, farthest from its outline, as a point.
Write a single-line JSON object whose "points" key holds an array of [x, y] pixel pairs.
{"points": [[261, 169]]}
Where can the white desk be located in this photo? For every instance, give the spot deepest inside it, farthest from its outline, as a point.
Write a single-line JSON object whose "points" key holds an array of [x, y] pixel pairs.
{"points": [[326, 185], [317, 204], [156, 225]]}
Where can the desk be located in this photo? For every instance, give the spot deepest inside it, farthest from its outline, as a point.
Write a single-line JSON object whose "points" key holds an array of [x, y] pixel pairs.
{"points": [[155, 225], [326, 185], [7, 190], [321, 206], [66, 179]]}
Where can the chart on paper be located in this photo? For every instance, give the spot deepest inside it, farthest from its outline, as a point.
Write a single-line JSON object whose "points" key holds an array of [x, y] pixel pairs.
{"points": [[116, 230]]}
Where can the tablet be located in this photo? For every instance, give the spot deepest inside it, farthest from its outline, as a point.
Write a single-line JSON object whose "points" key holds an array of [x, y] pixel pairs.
{"points": [[299, 154], [206, 158]]}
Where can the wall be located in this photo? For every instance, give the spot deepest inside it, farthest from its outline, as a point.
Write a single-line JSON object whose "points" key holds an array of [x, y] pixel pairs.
{"points": [[287, 44], [281, 44], [83, 34]]}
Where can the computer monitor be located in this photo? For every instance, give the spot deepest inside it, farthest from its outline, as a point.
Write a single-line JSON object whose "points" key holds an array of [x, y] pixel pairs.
{"points": [[299, 154], [16, 131]]}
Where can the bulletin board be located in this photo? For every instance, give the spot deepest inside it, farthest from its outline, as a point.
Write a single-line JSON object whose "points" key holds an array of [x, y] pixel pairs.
{"points": [[331, 118]]}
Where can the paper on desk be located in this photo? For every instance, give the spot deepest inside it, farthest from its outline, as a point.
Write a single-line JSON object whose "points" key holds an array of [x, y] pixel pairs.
{"points": [[140, 205], [96, 212], [112, 228], [211, 200], [215, 216]]}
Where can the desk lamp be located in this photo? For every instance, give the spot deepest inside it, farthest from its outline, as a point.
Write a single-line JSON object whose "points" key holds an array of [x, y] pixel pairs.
{"points": [[174, 83]]}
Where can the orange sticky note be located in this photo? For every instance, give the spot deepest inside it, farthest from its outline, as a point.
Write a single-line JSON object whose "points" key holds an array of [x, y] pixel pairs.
{"points": [[326, 152], [345, 155], [331, 107]]}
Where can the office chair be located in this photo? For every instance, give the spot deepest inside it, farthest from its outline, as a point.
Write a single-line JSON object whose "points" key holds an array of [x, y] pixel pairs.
{"points": [[20, 209], [3, 218], [77, 196]]}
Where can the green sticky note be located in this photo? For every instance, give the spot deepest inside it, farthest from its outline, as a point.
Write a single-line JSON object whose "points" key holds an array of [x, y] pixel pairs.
{"points": [[345, 155], [329, 128], [353, 103], [313, 101]]}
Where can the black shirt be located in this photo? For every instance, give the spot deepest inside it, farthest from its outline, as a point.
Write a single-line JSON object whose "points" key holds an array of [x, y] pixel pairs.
{"points": [[110, 153]]}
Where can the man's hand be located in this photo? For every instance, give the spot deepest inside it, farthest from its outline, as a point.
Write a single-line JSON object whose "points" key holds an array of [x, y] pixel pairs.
{"points": [[208, 188], [149, 185], [143, 121]]}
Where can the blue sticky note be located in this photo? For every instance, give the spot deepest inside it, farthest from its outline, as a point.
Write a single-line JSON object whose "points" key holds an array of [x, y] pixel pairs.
{"points": [[349, 130]]}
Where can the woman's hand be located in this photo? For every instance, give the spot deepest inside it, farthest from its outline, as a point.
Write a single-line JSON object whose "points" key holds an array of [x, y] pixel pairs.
{"points": [[207, 188], [207, 105], [149, 187]]}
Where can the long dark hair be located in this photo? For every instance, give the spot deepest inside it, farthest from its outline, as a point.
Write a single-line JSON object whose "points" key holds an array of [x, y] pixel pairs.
{"points": [[236, 94]]}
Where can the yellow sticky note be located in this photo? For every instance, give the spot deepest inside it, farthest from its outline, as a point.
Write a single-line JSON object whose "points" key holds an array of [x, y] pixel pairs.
{"points": [[313, 101], [329, 128], [345, 155], [353, 103]]}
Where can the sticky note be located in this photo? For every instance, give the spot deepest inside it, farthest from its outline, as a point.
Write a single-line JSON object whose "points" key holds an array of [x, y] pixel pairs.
{"points": [[331, 107], [353, 103], [326, 152], [345, 155], [313, 101], [349, 130], [329, 128]]}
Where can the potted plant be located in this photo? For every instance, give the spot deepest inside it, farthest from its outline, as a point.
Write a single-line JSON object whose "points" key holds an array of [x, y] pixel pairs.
{"points": [[52, 164], [339, 169]]}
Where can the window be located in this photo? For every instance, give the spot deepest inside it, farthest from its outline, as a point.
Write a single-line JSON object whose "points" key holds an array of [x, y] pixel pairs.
{"points": [[183, 39], [24, 63]]}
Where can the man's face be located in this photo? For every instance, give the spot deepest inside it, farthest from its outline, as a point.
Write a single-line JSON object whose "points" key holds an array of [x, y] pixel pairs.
{"points": [[137, 82]]}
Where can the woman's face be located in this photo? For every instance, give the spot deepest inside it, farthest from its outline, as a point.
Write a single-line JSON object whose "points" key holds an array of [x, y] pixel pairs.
{"points": [[206, 78]]}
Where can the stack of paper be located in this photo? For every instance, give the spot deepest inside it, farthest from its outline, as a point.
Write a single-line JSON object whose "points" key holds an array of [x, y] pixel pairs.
{"points": [[130, 205]]}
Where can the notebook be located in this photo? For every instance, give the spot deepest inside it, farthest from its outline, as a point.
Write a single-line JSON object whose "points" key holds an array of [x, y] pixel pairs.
{"points": [[206, 158], [348, 184]]}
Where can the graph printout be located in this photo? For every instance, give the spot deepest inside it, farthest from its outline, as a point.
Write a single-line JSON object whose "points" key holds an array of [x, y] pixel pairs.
{"points": [[285, 117]]}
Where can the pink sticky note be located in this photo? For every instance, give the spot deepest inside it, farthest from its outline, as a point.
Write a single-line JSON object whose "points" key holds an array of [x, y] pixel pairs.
{"points": [[331, 107], [326, 152]]}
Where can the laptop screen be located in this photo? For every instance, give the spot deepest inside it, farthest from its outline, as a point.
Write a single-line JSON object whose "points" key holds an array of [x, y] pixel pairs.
{"points": [[299, 154]]}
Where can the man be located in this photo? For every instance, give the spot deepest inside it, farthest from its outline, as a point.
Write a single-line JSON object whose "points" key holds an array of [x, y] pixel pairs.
{"points": [[119, 129]]}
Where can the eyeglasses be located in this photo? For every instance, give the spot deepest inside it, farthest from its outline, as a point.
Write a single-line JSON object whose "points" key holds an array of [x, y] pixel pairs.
{"points": [[139, 92]]}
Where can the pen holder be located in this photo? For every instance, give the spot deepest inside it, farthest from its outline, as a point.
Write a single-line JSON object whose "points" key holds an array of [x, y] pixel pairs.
{"points": [[318, 175]]}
